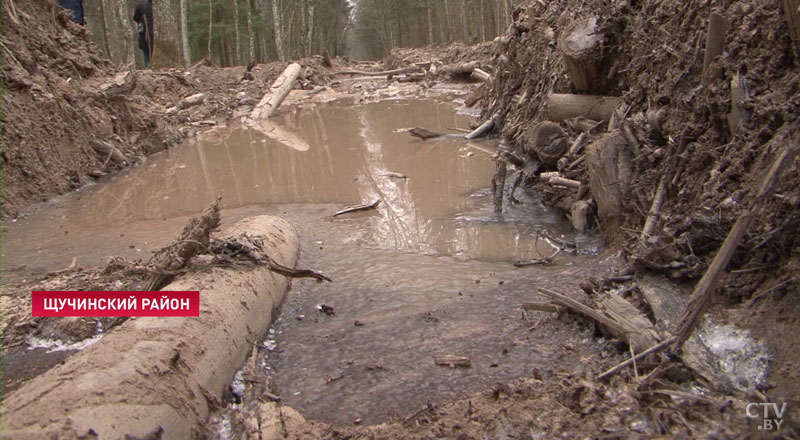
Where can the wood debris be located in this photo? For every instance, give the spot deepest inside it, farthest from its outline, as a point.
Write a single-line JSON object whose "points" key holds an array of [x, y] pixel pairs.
{"points": [[356, 208], [452, 361]]}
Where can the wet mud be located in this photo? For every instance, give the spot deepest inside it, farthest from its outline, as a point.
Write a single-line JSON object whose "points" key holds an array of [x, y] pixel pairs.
{"points": [[427, 272]]}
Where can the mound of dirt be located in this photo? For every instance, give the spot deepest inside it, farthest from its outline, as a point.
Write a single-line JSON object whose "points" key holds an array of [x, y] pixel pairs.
{"points": [[706, 128], [54, 111]]}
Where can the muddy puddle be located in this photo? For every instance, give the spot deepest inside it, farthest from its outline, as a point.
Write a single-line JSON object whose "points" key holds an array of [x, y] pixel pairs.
{"points": [[428, 272]]}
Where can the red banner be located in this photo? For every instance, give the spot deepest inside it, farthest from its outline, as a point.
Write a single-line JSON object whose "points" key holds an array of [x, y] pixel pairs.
{"points": [[149, 303]]}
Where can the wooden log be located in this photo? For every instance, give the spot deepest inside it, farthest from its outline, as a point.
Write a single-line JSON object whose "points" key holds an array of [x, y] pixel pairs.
{"points": [[123, 82], [581, 47], [569, 183], [561, 106], [640, 332], [452, 361], [738, 96], [576, 146], [380, 73], [655, 209], [705, 287], [189, 101], [480, 75], [609, 165], [715, 42], [276, 94], [791, 11], [548, 141], [108, 151], [623, 321], [460, 69], [664, 300], [481, 130], [185, 364]]}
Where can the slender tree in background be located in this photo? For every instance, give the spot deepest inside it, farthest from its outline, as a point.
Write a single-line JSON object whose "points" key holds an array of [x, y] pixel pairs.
{"points": [[251, 53], [230, 32], [210, 23], [187, 53], [237, 36]]}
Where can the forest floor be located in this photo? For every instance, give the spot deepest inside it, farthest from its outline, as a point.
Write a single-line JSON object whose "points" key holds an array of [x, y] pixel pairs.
{"points": [[55, 109]]}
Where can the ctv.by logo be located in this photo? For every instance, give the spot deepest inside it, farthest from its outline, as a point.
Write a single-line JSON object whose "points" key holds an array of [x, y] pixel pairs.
{"points": [[767, 423]]}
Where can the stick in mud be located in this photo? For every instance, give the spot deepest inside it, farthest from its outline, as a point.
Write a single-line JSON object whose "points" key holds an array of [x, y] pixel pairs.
{"points": [[356, 208], [631, 360]]}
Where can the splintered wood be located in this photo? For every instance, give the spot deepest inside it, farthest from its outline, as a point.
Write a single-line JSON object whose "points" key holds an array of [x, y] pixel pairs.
{"points": [[616, 315]]}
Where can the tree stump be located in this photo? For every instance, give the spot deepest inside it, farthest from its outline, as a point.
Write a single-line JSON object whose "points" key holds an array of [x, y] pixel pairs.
{"points": [[581, 46], [548, 141]]}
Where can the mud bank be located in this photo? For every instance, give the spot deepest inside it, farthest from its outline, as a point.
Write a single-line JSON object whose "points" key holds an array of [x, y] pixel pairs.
{"points": [[165, 374]]}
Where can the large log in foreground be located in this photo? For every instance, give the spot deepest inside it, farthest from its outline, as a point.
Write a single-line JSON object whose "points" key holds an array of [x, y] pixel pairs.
{"points": [[561, 106], [159, 375], [276, 94]]}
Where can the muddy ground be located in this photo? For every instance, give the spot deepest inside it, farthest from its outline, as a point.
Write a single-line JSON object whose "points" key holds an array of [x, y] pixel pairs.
{"points": [[52, 110]]}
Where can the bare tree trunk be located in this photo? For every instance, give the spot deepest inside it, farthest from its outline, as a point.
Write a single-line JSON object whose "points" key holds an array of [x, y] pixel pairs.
{"points": [[465, 37], [237, 46], [210, 22], [430, 24], [448, 37], [251, 54], [105, 29], [125, 20], [483, 25], [310, 28], [187, 52], [276, 17]]}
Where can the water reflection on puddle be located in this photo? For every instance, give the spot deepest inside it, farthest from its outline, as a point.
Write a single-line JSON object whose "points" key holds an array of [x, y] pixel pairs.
{"points": [[347, 155]]}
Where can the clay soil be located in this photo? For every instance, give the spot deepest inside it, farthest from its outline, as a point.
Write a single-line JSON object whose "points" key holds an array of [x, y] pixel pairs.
{"points": [[52, 110]]}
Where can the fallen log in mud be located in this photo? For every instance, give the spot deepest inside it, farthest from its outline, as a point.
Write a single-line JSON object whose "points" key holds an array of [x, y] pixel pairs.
{"points": [[276, 94], [164, 375]]}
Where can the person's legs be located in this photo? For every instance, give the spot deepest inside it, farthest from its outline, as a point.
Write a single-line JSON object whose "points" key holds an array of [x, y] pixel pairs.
{"points": [[146, 53]]}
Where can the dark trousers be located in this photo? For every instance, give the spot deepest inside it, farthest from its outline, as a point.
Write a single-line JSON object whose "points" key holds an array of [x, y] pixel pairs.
{"points": [[146, 53]]}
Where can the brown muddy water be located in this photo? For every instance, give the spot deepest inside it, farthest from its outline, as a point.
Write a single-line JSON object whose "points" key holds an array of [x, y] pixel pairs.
{"points": [[428, 272]]}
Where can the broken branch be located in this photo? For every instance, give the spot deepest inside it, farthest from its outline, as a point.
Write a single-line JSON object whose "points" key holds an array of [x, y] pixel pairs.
{"points": [[356, 208]]}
